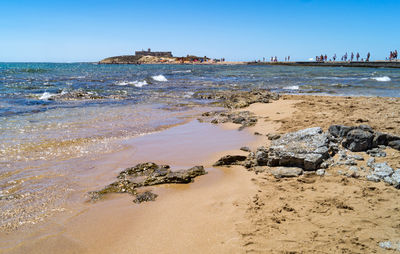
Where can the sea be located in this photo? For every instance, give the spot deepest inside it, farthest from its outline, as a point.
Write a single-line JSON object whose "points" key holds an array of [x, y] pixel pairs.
{"points": [[54, 113]]}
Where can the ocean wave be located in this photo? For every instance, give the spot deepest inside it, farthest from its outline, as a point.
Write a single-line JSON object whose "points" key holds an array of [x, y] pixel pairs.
{"points": [[160, 78], [339, 78], [183, 71], [46, 96], [382, 79], [291, 87], [134, 83]]}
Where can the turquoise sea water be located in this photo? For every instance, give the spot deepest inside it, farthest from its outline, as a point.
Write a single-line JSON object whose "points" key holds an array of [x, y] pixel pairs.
{"points": [[51, 113]]}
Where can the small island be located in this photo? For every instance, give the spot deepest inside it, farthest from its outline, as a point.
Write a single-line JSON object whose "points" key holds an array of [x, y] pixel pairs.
{"points": [[157, 57]]}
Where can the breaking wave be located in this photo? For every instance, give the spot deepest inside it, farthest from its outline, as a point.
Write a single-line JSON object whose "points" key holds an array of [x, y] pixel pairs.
{"points": [[134, 83], [46, 96], [159, 78], [291, 87], [183, 71], [382, 79]]}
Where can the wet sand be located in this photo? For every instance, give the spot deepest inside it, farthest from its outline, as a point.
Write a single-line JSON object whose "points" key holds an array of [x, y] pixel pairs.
{"points": [[232, 210]]}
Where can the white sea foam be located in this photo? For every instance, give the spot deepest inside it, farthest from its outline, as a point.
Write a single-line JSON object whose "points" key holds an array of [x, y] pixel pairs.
{"points": [[139, 83], [133, 83], [183, 71], [291, 88], [382, 79], [159, 78], [46, 96], [188, 95]]}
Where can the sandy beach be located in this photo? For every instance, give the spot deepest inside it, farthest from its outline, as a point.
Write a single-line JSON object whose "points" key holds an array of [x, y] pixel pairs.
{"points": [[231, 209]]}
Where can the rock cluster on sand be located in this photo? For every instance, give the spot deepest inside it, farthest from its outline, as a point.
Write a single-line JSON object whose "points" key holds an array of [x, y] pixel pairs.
{"points": [[147, 174], [234, 100], [237, 99], [244, 118], [312, 149]]}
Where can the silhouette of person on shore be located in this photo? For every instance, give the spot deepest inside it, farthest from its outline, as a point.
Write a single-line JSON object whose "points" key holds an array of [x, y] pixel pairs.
{"points": [[357, 56], [368, 56], [352, 56], [334, 57]]}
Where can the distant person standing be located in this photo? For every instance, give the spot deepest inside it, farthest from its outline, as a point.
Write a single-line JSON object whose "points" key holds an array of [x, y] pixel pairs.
{"points": [[288, 58], [334, 57], [352, 56], [368, 56], [357, 56]]}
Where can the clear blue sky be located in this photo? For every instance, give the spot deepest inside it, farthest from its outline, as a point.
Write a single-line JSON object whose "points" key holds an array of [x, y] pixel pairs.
{"points": [[89, 30]]}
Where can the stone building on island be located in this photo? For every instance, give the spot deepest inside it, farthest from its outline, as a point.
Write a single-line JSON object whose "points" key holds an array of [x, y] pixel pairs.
{"points": [[155, 53]]}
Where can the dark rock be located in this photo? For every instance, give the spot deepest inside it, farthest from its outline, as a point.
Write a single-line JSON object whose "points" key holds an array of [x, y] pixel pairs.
{"points": [[281, 172], [380, 139], [376, 152], [147, 174], [145, 197], [358, 140], [306, 149], [395, 144], [245, 149], [383, 139], [273, 136], [230, 160], [257, 133], [261, 156], [365, 127], [339, 131]]}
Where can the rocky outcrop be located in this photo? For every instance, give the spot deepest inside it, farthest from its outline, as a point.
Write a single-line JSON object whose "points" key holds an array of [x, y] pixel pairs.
{"points": [[147, 174], [244, 118], [305, 149], [281, 172], [230, 160], [313, 150], [128, 59], [362, 138], [237, 99]]}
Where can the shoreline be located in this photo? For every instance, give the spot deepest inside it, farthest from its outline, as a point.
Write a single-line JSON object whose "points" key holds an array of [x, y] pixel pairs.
{"points": [[235, 201], [371, 64]]}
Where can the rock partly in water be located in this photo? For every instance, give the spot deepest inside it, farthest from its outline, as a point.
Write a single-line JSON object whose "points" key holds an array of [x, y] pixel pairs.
{"points": [[238, 99], [245, 149], [306, 149], [147, 174], [230, 160], [244, 118], [281, 172], [145, 197]]}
